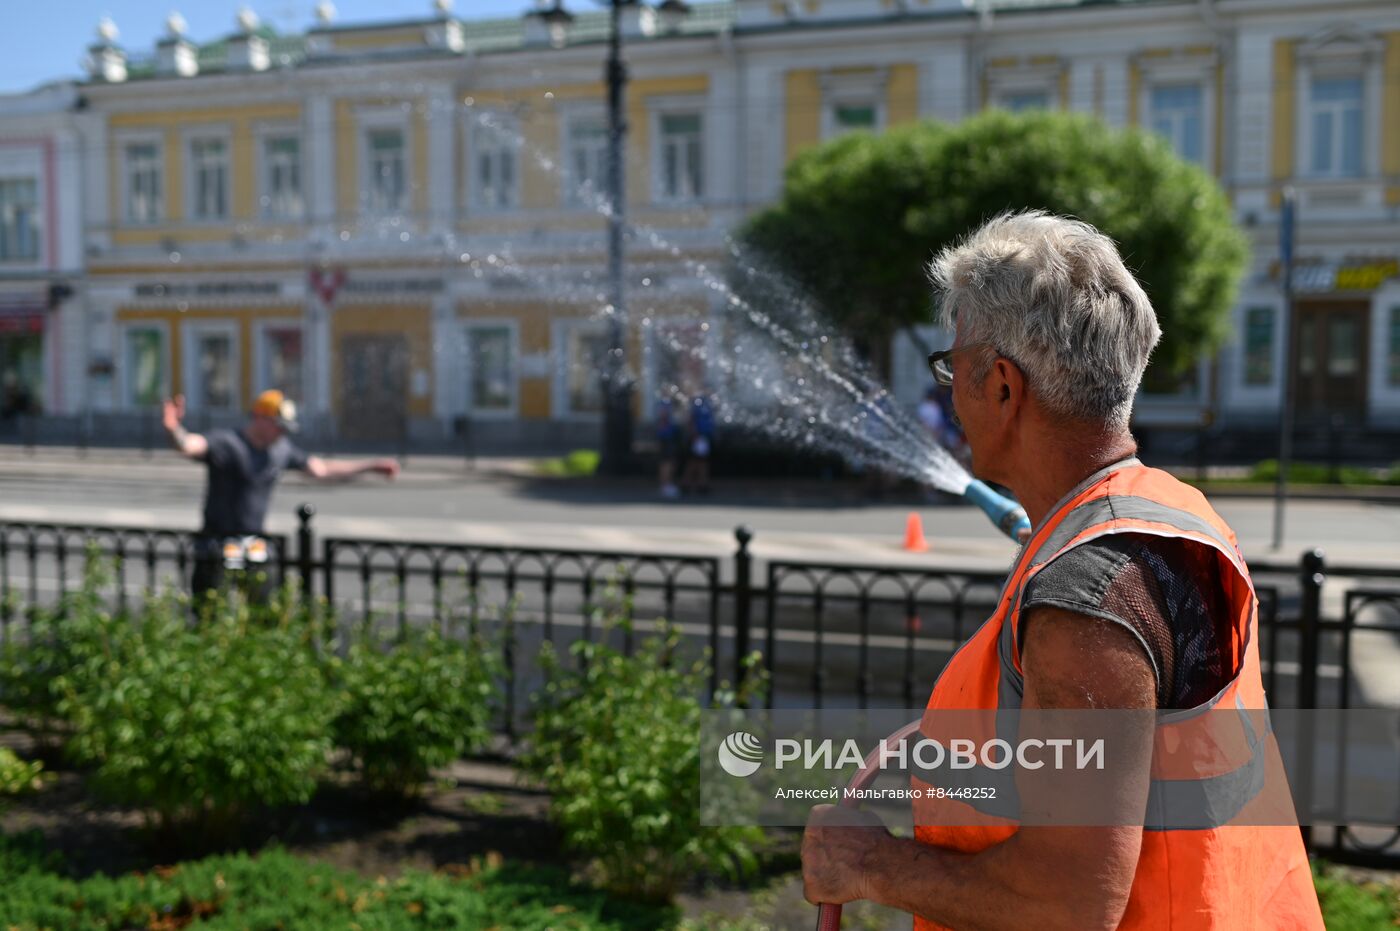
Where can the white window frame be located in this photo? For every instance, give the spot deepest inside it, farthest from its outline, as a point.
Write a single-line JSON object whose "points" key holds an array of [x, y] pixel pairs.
{"points": [[1337, 154], [559, 331], [1197, 70], [1389, 312], [853, 89], [569, 192], [1006, 95], [38, 220], [124, 142], [368, 121], [1382, 394], [468, 400], [677, 106], [262, 135], [1338, 55], [1003, 82], [261, 358], [1174, 136], [191, 334], [1237, 394], [474, 136], [126, 385], [191, 184]]}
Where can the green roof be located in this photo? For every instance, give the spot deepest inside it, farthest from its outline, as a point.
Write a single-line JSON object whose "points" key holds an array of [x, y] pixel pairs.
{"points": [[503, 35], [482, 35]]}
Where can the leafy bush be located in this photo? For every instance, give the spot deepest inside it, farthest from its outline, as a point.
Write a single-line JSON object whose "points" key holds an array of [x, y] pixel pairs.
{"points": [[199, 723], [279, 890], [416, 704], [1351, 906], [60, 639], [616, 744], [18, 776]]}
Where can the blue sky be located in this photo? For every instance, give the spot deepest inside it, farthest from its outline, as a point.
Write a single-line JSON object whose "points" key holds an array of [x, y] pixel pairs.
{"points": [[50, 37]]}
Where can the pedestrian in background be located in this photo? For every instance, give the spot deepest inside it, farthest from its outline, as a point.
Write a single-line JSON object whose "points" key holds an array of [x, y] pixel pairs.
{"points": [[668, 448], [701, 433], [243, 468]]}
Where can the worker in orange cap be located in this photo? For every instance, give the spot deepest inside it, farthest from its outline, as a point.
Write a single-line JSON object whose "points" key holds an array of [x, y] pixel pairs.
{"points": [[244, 466]]}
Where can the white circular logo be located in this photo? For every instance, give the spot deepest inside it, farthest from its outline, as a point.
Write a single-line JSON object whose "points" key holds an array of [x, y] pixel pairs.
{"points": [[741, 754]]}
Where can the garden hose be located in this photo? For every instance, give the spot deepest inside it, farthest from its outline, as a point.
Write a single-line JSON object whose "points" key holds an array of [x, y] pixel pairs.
{"points": [[1005, 513], [828, 915]]}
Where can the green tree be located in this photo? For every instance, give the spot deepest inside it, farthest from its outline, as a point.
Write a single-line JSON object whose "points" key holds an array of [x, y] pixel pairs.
{"points": [[861, 216]]}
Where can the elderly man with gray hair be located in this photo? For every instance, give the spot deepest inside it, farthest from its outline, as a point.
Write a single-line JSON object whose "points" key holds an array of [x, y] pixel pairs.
{"points": [[1130, 593]]}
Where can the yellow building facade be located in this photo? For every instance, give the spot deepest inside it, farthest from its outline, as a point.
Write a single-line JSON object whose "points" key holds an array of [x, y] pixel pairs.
{"points": [[403, 224]]}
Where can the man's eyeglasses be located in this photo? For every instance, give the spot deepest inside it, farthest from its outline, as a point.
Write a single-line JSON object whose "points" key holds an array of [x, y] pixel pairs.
{"points": [[942, 368]]}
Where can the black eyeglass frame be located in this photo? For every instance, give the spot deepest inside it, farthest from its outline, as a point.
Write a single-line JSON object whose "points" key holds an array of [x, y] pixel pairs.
{"points": [[938, 365]]}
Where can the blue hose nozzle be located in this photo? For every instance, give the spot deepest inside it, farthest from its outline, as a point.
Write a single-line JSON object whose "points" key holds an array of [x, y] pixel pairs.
{"points": [[1005, 513]]}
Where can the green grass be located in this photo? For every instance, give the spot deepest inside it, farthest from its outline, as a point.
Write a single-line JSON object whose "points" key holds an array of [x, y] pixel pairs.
{"points": [[275, 889], [1349, 905], [578, 464], [1316, 473]]}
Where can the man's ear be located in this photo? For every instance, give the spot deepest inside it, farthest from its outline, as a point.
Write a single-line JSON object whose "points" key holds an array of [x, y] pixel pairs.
{"points": [[1010, 385]]}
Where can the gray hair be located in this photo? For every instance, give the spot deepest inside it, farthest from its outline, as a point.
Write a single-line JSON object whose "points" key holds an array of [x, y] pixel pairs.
{"points": [[1053, 295]]}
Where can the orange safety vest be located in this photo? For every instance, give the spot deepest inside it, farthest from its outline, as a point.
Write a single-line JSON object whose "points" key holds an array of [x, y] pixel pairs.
{"points": [[1222, 875]]}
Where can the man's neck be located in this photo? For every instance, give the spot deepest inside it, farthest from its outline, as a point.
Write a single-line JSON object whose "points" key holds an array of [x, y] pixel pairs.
{"points": [[1058, 468], [253, 438]]}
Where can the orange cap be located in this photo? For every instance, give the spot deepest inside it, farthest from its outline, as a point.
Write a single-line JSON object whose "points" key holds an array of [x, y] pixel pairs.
{"points": [[272, 403]]}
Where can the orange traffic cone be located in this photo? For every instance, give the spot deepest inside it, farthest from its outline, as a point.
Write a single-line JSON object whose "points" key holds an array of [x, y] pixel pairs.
{"points": [[914, 540]]}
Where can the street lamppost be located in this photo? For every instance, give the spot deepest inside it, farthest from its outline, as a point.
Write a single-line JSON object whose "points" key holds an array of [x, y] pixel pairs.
{"points": [[616, 384]]}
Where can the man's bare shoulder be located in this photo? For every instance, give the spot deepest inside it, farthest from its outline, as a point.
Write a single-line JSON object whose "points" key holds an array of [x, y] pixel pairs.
{"points": [[1073, 660]]}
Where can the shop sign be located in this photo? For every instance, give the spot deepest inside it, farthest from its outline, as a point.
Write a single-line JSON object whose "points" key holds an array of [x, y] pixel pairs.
{"points": [[1360, 275], [392, 287], [147, 290], [12, 323]]}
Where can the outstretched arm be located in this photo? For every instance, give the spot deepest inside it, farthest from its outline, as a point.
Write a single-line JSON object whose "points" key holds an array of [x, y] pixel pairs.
{"points": [[191, 445], [331, 470]]}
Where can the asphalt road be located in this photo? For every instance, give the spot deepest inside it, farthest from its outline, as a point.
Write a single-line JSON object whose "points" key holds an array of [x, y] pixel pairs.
{"points": [[502, 502]]}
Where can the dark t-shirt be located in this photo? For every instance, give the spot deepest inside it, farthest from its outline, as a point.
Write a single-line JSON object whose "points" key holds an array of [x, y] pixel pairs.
{"points": [[241, 479], [1168, 592]]}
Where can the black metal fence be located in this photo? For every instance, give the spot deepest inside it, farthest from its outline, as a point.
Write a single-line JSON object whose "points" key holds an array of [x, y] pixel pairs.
{"points": [[830, 634]]}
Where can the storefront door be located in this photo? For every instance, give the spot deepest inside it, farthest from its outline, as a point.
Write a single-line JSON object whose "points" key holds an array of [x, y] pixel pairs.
{"points": [[21, 373], [373, 386], [1330, 340]]}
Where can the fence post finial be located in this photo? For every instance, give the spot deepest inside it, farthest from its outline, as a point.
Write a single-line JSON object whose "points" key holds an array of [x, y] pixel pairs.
{"points": [[305, 548], [743, 602]]}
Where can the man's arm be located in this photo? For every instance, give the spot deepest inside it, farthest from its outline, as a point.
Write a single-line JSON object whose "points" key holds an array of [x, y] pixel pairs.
{"points": [[1042, 877], [333, 470], [191, 445]]}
